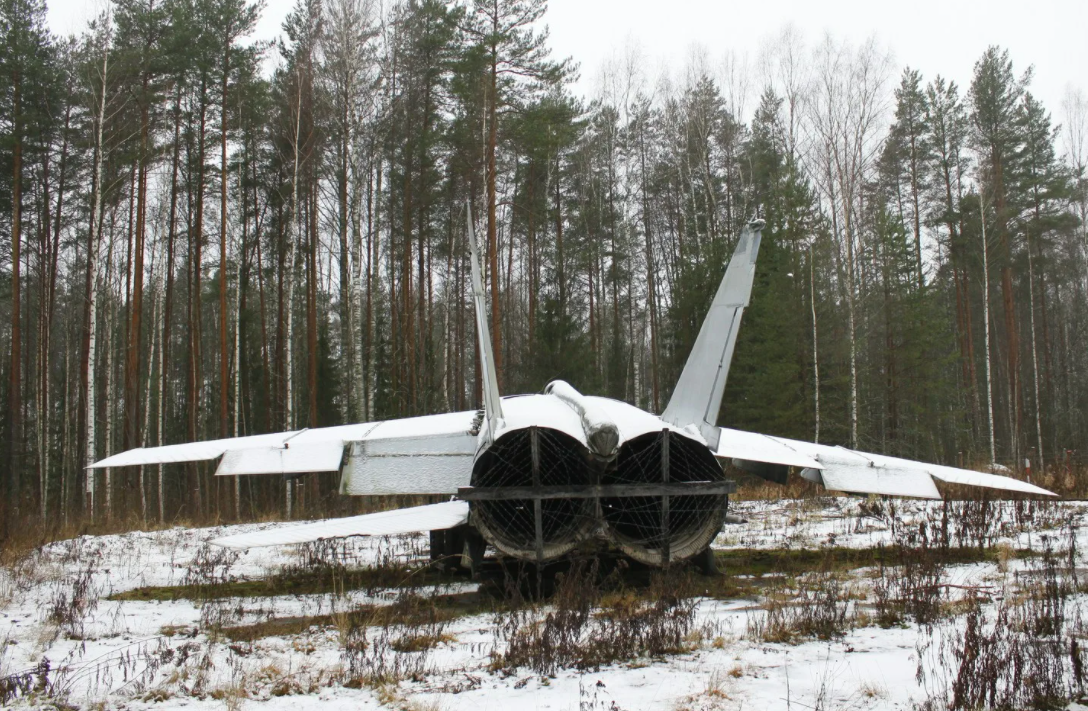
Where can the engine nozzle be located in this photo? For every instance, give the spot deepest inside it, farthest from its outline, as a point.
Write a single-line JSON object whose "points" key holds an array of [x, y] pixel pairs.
{"points": [[658, 529], [510, 524]]}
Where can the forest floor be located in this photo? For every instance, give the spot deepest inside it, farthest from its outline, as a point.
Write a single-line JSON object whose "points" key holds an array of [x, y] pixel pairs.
{"points": [[829, 603]]}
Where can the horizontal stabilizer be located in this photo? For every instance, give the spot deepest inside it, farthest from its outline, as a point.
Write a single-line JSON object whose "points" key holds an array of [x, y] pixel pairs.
{"points": [[433, 517], [841, 469]]}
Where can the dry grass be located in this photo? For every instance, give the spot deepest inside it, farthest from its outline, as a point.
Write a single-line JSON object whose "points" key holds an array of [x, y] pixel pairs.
{"points": [[752, 488], [410, 611], [323, 567], [415, 642], [873, 690], [716, 693], [585, 627], [1024, 651], [595, 619], [394, 642], [233, 695]]}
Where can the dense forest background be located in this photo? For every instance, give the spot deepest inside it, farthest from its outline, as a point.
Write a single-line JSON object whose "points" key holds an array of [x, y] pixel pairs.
{"points": [[206, 236]]}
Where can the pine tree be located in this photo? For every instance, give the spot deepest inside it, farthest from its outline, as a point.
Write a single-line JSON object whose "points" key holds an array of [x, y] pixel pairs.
{"points": [[995, 95], [27, 99], [514, 49], [908, 142], [141, 29], [948, 127], [769, 380], [231, 21], [1047, 190]]}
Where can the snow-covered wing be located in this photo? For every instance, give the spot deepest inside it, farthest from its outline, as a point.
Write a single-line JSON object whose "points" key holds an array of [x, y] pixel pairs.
{"points": [[841, 469], [310, 450], [433, 517], [839, 458], [191, 452]]}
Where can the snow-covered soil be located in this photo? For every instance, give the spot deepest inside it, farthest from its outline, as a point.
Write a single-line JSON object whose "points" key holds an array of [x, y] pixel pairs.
{"points": [[62, 639]]}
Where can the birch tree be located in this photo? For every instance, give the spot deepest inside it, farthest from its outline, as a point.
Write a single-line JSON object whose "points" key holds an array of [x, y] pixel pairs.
{"points": [[846, 110], [99, 44]]}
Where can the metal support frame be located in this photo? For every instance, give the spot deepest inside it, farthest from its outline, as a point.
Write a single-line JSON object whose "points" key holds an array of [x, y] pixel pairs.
{"points": [[538, 512], [538, 509], [596, 491], [665, 542]]}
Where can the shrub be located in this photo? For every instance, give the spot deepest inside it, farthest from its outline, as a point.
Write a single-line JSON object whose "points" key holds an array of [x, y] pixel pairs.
{"points": [[584, 628]]}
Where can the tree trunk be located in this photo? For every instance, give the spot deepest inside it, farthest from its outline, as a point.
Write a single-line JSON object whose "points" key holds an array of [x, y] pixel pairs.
{"points": [[815, 345], [107, 388], [224, 376], [94, 236], [168, 296], [196, 260], [311, 305], [492, 235], [347, 340], [986, 328], [1035, 363], [15, 407], [131, 434]]}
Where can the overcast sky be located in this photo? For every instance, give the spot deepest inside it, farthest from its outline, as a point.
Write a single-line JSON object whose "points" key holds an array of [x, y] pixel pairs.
{"points": [[934, 36]]}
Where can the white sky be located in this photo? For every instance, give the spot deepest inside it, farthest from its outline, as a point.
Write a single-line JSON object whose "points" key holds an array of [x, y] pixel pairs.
{"points": [[944, 36]]}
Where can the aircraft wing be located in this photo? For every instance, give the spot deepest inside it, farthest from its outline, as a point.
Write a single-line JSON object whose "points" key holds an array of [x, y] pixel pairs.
{"points": [[439, 445], [841, 469], [432, 517]]}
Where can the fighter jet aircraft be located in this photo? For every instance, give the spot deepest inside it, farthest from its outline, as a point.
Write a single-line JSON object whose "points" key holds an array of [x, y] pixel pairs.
{"points": [[536, 475]]}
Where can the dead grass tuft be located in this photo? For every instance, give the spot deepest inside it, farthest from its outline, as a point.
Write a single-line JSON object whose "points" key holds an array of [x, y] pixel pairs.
{"points": [[583, 628], [393, 642], [821, 605]]}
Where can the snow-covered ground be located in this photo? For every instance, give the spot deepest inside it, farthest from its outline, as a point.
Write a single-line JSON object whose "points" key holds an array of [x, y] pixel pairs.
{"points": [[92, 652]]}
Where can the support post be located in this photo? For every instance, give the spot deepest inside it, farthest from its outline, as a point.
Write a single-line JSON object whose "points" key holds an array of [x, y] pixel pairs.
{"points": [[474, 548], [538, 506], [666, 552], [438, 546]]}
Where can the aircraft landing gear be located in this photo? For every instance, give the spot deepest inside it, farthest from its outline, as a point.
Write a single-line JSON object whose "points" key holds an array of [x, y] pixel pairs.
{"points": [[707, 563]]}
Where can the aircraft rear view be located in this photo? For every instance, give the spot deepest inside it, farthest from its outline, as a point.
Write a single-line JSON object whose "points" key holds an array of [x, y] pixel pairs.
{"points": [[534, 476]]}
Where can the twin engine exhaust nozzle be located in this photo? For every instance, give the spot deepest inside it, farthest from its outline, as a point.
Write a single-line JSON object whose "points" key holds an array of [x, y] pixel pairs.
{"points": [[539, 492]]}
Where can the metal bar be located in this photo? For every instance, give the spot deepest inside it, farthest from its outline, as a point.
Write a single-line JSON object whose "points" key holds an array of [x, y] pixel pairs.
{"points": [[590, 491], [287, 442], [666, 547], [538, 513]]}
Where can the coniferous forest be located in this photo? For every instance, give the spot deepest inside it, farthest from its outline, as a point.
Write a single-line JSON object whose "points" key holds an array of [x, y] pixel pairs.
{"points": [[204, 236]]}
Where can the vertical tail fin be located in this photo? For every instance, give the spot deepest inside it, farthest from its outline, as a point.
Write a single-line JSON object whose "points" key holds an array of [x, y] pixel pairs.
{"points": [[492, 403], [698, 394]]}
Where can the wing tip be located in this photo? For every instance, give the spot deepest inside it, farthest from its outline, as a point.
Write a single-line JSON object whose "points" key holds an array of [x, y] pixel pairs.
{"points": [[115, 460]]}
